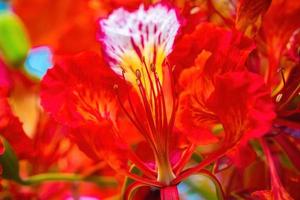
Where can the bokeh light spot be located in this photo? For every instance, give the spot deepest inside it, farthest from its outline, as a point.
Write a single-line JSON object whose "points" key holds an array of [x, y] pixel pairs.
{"points": [[39, 61]]}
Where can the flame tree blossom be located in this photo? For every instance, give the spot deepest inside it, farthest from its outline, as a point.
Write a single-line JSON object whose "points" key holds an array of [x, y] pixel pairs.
{"points": [[124, 106], [30, 156]]}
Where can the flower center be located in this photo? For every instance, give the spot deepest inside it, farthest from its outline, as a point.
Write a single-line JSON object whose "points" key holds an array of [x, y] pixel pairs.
{"points": [[137, 44], [158, 126]]}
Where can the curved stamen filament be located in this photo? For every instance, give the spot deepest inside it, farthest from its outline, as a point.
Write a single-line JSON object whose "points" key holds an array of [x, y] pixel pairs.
{"points": [[164, 121], [149, 114], [137, 124], [136, 160], [141, 165], [146, 181], [157, 127], [158, 122]]}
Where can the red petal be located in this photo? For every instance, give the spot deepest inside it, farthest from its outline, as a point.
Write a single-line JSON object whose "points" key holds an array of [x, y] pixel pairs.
{"points": [[194, 121], [100, 142], [129, 4], [237, 155], [50, 144], [79, 92], [263, 195], [145, 153], [222, 43], [249, 13], [193, 118], [243, 104], [277, 29], [11, 129], [10, 126], [287, 103], [80, 89], [60, 24]]}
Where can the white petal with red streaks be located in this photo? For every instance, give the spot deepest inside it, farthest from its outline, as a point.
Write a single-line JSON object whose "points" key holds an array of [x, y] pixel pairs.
{"points": [[144, 33]]}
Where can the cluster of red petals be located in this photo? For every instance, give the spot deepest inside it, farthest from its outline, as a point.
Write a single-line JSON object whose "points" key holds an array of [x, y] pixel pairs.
{"points": [[235, 78], [79, 93], [42, 149], [83, 93], [10, 126], [218, 89]]}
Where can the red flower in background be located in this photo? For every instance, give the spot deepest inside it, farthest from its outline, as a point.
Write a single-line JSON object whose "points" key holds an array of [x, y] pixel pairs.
{"points": [[10, 126], [132, 105], [59, 24], [41, 147], [180, 88]]}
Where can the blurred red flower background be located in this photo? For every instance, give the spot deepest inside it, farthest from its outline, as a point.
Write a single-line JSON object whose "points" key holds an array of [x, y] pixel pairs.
{"points": [[172, 99]]}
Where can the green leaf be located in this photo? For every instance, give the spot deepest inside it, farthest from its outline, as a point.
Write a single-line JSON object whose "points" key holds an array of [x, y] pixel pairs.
{"points": [[14, 42], [9, 163]]}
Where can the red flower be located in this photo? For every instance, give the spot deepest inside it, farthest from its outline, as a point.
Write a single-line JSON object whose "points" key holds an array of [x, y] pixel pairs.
{"points": [[278, 33], [59, 24], [10, 126], [221, 42], [277, 191], [107, 108], [250, 14], [46, 148]]}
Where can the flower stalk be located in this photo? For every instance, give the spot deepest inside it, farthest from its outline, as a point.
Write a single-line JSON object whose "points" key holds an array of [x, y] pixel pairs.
{"points": [[40, 178], [169, 193], [164, 170]]}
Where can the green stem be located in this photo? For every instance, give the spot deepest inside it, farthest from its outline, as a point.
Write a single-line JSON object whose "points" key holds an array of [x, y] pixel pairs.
{"points": [[102, 181]]}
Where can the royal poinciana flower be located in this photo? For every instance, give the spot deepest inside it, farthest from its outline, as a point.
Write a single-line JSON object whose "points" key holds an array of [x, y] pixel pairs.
{"points": [[126, 108], [10, 126], [43, 151]]}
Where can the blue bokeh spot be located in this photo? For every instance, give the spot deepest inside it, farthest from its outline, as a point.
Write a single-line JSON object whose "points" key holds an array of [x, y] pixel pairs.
{"points": [[4, 6], [39, 61]]}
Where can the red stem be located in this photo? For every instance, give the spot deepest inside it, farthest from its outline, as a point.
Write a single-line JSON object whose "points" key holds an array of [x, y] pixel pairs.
{"points": [[169, 193]]}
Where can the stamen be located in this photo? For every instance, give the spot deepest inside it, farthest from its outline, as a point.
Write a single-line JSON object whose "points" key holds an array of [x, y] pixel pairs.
{"points": [[135, 121], [281, 71], [116, 86], [147, 108], [138, 74], [163, 121], [279, 97], [155, 91], [153, 68], [175, 101]]}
